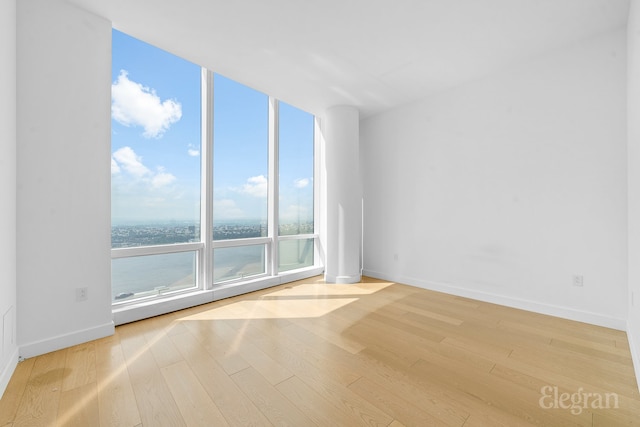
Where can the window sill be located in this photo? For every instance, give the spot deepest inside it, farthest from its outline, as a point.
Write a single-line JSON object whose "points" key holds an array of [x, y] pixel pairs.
{"points": [[149, 308]]}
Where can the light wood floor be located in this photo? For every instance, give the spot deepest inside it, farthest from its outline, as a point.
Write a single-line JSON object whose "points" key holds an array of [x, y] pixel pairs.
{"points": [[308, 353]]}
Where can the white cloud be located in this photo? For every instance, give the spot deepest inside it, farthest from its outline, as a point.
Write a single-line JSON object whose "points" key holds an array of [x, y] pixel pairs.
{"points": [[130, 162], [162, 179], [301, 182], [126, 159], [256, 186], [136, 105], [115, 169], [193, 151]]}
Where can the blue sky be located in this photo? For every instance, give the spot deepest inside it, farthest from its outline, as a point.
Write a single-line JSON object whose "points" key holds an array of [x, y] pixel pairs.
{"points": [[155, 160]]}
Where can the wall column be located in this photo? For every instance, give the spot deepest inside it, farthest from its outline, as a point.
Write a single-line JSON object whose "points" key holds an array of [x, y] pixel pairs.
{"points": [[8, 174], [633, 182], [340, 129]]}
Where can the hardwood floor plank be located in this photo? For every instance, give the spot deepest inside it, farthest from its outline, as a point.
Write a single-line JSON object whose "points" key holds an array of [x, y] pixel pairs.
{"points": [[396, 381], [277, 408], [219, 343], [195, 405], [15, 391], [155, 402], [478, 346], [500, 394], [321, 411], [622, 344], [391, 356], [398, 326], [591, 371], [553, 326], [264, 331], [163, 350], [333, 335], [489, 419], [595, 352], [535, 378], [491, 333], [550, 332], [39, 404], [116, 400], [395, 341], [79, 407], [325, 385], [80, 366], [394, 405], [610, 419], [431, 314], [236, 406], [271, 370]]}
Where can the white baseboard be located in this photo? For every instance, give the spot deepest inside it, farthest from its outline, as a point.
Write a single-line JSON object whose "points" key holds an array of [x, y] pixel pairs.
{"points": [[67, 340], [343, 280], [8, 370], [634, 346], [519, 303]]}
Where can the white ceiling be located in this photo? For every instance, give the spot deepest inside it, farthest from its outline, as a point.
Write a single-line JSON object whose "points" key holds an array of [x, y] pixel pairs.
{"points": [[374, 54]]}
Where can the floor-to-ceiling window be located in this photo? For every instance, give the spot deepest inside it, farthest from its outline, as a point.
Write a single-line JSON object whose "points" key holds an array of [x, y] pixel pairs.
{"points": [[212, 181], [296, 183], [240, 180], [155, 171]]}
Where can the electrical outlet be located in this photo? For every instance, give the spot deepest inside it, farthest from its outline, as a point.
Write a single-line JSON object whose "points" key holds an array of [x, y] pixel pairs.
{"points": [[578, 280], [395, 257], [81, 294]]}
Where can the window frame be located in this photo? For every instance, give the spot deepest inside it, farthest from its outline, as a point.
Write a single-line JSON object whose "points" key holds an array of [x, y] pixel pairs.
{"points": [[206, 246]]}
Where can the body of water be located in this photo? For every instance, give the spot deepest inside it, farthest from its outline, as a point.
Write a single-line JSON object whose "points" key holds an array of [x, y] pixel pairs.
{"points": [[154, 274]]}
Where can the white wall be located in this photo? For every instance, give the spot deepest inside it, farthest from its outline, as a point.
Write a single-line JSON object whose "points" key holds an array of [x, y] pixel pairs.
{"points": [[8, 347], [504, 188], [63, 182], [633, 129]]}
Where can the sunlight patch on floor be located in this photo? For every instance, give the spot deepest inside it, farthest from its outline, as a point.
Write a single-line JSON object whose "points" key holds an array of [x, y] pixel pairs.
{"points": [[331, 289], [273, 309], [302, 300]]}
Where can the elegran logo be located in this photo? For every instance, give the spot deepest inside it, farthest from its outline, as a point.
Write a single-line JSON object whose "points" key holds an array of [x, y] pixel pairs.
{"points": [[578, 401]]}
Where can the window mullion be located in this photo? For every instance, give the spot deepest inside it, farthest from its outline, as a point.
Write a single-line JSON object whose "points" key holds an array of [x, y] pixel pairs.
{"points": [[317, 190], [273, 187], [206, 204]]}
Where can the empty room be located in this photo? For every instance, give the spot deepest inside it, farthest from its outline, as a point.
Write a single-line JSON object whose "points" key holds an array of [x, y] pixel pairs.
{"points": [[336, 213]]}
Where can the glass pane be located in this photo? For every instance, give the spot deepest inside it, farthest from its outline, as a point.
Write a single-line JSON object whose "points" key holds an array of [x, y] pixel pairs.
{"points": [[155, 145], [295, 254], [240, 156], [296, 171], [238, 262], [149, 275]]}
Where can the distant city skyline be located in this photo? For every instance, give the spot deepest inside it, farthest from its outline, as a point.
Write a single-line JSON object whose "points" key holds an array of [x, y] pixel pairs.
{"points": [[131, 235]]}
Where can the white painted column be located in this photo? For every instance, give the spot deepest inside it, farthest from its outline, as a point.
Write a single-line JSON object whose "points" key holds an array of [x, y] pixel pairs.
{"points": [[340, 129]]}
